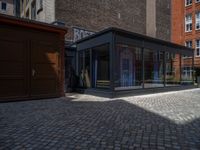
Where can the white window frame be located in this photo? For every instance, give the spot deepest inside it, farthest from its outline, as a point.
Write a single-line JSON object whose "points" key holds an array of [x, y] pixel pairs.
{"points": [[197, 48], [189, 45], [187, 73], [188, 23], [187, 2], [197, 20]]}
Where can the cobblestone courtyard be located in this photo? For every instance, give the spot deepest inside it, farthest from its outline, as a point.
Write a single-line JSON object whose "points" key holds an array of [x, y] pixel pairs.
{"points": [[161, 121]]}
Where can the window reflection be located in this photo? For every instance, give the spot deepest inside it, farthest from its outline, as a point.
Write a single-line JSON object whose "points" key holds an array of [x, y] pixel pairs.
{"points": [[187, 70], [129, 67], [101, 66], [153, 68], [172, 69]]}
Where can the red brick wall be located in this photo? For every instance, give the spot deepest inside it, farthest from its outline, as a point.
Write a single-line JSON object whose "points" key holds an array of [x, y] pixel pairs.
{"points": [[179, 36]]}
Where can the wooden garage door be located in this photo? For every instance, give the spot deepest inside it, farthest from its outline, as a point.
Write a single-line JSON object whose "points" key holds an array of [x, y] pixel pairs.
{"points": [[44, 69], [14, 66]]}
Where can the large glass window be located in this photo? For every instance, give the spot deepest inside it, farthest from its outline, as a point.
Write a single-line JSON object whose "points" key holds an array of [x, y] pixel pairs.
{"points": [[84, 68], [187, 71], [153, 68], [197, 48], [87, 69], [128, 67], [198, 20], [81, 68], [188, 23], [172, 69], [101, 66]]}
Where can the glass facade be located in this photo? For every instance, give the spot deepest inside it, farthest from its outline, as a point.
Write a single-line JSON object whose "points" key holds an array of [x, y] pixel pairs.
{"points": [[123, 63]]}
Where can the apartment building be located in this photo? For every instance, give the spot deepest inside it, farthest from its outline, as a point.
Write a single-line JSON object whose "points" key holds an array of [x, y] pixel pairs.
{"points": [[186, 29], [40, 10]]}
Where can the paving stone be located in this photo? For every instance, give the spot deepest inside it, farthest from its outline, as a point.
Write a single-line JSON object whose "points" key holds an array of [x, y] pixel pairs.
{"points": [[158, 121]]}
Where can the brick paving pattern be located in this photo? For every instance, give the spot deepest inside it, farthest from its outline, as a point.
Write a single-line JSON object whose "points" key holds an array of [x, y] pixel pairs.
{"points": [[161, 121]]}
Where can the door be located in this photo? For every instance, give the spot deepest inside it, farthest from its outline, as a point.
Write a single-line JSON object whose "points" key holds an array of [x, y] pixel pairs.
{"points": [[44, 69], [14, 68]]}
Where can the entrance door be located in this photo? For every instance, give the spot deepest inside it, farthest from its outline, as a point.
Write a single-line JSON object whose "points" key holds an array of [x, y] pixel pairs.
{"points": [[44, 69]]}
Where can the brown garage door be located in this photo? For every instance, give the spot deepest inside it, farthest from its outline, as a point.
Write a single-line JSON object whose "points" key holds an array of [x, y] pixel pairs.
{"points": [[44, 69], [13, 68], [28, 69], [31, 59]]}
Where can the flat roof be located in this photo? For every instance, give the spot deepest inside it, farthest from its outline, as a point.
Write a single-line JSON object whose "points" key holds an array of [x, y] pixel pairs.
{"points": [[23, 22], [133, 35]]}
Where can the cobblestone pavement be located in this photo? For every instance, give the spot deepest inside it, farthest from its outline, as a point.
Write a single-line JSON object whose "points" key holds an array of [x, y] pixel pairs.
{"points": [[159, 121]]}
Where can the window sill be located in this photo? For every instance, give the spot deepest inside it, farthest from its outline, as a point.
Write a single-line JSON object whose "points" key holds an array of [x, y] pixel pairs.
{"points": [[197, 3], [188, 32], [187, 6]]}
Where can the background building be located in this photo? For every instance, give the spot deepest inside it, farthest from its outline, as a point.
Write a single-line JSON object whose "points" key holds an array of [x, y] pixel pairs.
{"points": [[40, 10], [186, 29], [9, 7], [86, 17], [83, 18]]}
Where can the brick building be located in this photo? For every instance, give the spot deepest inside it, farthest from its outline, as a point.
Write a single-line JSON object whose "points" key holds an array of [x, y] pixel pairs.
{"points": [[142, 16], [186, 29]]}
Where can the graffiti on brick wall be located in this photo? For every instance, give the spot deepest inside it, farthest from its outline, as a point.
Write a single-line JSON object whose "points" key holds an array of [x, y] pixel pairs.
{"points": [[81, 33]]}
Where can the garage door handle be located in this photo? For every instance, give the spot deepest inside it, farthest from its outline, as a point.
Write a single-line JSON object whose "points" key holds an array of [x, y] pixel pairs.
{"points": [[33, 72]]}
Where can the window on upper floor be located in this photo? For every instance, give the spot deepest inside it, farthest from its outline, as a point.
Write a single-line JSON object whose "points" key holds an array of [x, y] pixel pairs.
{"points": [[197, 51], [197, 21], [187, 44], [39, 6], [188, 2], [27, 14], [188, 23], [33, 10], [3, 6]]}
